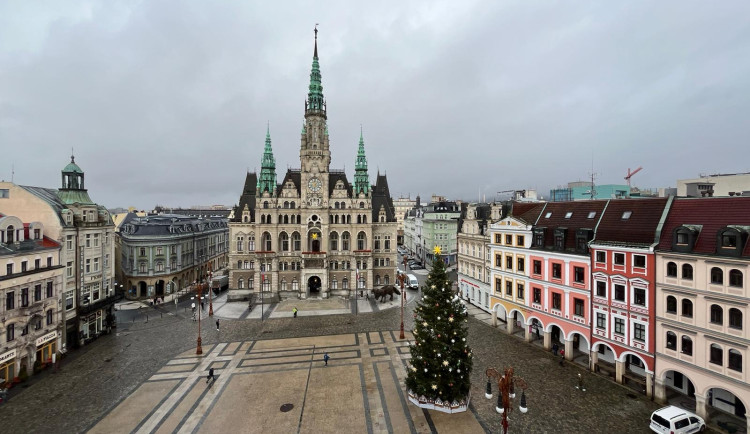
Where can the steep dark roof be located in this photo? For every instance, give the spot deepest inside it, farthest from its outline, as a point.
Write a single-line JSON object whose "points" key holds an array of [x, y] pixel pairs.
{"points": [[247, 197], [579, 219], [381, 197], [712, 214], [638, 229], [334, 177], [528, 212], [293, 175]]}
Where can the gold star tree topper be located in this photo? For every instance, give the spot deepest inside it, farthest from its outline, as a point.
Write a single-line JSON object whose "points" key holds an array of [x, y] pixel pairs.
{"points": [[437, 250], [314, 236]]}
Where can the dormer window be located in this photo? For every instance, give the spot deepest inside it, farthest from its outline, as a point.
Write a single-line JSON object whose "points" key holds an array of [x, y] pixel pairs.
{"points": [[539, 237], [730, 241], [560, 238], [683, 238]]}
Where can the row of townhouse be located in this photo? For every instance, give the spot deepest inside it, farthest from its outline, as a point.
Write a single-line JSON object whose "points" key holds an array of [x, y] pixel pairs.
{"points": [[650, 291]]}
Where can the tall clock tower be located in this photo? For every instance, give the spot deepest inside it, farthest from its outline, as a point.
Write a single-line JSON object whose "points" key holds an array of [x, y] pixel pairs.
{"points": [[314, 154]]}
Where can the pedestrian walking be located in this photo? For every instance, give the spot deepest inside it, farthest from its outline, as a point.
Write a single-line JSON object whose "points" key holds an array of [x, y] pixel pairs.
{"points": [[562, 358], [580, 383], [217, 325], [202, 306], [325, 358], [554, 349], [210, 375], [294, 311]]}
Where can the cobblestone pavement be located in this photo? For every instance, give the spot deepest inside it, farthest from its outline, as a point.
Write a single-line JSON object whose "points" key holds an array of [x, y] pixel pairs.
{"points": [[95, 379]]}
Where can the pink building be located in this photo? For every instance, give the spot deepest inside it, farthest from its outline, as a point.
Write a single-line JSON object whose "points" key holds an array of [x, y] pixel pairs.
{"points": [[624, 290]]}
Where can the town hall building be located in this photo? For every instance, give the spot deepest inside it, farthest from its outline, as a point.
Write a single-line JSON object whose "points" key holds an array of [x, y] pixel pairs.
{"points": [[315, 234]]}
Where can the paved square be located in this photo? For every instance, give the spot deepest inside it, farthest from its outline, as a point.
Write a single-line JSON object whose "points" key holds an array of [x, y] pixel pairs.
{"points": [[360, 391]]}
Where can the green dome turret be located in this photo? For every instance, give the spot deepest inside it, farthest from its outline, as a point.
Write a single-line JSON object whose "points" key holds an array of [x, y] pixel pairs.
{"points": [[315, 102]]}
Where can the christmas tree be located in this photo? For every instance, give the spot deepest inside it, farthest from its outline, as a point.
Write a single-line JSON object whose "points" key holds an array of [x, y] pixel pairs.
{"points": [[440, 366]]}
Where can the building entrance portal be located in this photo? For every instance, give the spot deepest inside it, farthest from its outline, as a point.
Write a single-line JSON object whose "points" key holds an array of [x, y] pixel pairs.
{"points": [[313, 285]]}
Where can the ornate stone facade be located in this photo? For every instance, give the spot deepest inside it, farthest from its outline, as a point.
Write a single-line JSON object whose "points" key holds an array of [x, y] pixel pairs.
{"points": [[314, 234]]}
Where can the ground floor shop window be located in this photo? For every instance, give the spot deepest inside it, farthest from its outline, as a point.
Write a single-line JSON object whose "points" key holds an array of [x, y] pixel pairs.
{"points": [[7, 371]]}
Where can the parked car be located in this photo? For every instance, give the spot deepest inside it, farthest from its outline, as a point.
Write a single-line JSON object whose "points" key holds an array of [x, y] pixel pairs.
{"points": [[417, 266], [674, 420]]}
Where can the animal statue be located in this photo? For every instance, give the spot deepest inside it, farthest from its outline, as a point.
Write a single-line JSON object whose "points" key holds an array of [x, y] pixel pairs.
{"points": [[384, 291]]}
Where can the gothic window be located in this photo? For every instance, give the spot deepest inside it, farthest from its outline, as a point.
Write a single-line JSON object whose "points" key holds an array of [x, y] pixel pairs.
{"points": [[361, 241], [266, 241], [296, 242], [359, 219], [265, 205], [284, 241], [345, 241], [336, 219], [334, 241], [291, 205], [240, 243], [262, 219], [286, 219], [345, 283], [286, 204], [251, 243], [377, 242]]}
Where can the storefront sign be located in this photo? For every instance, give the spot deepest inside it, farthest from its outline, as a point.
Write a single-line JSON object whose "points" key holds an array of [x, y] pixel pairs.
{"points": [[46, 338], [10, 355]]}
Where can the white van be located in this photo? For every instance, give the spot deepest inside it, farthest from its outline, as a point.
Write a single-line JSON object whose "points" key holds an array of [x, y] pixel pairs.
{"points": [[674, 420], [412, 281]]}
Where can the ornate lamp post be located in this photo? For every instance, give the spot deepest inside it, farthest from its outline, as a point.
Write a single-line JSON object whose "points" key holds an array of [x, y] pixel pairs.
{"points": [[401, 278], [506, 385], [199, 350]]}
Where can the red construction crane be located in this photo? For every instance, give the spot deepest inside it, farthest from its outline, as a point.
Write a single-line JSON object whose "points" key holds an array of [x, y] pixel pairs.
{"points": [[630, 174]]}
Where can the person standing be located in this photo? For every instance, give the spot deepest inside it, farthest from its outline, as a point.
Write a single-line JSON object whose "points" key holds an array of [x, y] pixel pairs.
{"points": [[210, 375], [294, 311], [217, 324], [325, 358]]}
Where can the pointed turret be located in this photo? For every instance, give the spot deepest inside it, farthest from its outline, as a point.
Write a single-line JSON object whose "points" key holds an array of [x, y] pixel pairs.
{"points": [[315, 102], [361, 179], [267, 178]]}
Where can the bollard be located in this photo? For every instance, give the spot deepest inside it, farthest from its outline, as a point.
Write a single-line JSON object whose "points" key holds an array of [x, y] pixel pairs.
{"points": [[161, 315]]}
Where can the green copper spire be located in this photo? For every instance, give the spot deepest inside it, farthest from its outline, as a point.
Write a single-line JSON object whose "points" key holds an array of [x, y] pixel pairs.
{"points": [[267, 178], [315, 101], [361, 179]]}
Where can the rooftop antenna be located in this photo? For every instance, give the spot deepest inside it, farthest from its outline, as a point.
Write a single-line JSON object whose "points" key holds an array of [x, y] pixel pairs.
{"points": [[592, 191]]}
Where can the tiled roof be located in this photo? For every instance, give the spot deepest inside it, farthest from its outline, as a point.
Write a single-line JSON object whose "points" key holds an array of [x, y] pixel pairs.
{"points": [[578, 212], [293, 175], [333, 178], [247, 197], [639, 228], [133, 226], [528, 212], [712, 214]]}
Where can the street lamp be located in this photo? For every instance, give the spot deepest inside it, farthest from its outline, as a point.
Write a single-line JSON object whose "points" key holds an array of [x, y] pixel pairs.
{"points": [[401, 278], [506, 384], [199, 350], [210, 290]]}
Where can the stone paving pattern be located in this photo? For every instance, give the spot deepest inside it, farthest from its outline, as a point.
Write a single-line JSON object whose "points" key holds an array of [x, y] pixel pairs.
{"points": [[135, 377]]}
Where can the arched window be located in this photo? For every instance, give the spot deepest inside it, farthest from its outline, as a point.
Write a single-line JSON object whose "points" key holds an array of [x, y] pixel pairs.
{"points": [[251, 243], [349, 219], [240, 243], [687, 345], [377, 279], [291, 205], [265, 205], [334, 283], [735, 278], [345, 241], [334, 241], [240, 283], [330, 219], [386, 280], [266, 241], [296, 244], [716, 355], [361, 205], [345, 283], [247, 265], [336, 205], [245, 219], [336, 219], [361, 241], [687, 308], [286, 204], [671, 341], [361, 282], [671, 304], [717, 276], [671, 269], [286, 219], [717, 314], [9, 232], [283, 284], [281, 219], [359, 219], [284, 241], [735, 318], [735, 360], [364, 218], [687, 271], [262, 219]]}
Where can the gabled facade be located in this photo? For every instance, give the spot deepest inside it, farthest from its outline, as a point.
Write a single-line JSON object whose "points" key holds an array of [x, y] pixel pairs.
{"points": [[702, 298], [315, 233], [624, 288]]}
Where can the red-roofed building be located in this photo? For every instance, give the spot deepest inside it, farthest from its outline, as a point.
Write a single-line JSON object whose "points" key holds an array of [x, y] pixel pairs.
{"points": [[624, 289], [702, 297]]}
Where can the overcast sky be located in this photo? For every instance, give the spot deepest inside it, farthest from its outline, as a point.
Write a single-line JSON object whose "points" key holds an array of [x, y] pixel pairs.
{"points": [[166, 102]]}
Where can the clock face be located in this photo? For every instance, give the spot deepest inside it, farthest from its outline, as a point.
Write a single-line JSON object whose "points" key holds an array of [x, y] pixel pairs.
{"points": [[314, 185]]}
